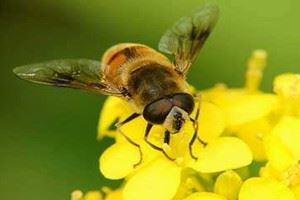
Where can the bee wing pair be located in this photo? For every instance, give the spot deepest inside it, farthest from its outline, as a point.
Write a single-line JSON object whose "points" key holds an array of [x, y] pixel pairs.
{"points": [[183, 40]]}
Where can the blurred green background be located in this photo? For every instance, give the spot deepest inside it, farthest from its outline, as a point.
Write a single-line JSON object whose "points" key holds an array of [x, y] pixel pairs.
{"points": [[48, 141]]}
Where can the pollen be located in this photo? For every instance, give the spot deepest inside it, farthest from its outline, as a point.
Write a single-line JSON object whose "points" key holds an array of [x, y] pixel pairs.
{"points": [[291, 176]]}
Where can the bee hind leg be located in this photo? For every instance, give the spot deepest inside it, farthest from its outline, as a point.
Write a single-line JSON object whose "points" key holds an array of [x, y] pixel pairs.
{"points": [[197, 97], [120, 124], [166, 140], [192, 141]]}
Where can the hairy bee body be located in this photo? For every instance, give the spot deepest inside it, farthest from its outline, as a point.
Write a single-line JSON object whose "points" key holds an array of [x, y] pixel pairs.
{"points": [[147, 74], [148, 80]]}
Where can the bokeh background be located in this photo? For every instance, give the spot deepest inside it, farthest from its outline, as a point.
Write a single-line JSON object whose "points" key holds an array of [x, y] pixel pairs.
{"points": [[48, 141]]}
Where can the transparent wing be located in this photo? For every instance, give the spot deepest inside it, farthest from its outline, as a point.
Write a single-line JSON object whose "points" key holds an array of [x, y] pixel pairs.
{"points": [[72, 73], [187, 36]]}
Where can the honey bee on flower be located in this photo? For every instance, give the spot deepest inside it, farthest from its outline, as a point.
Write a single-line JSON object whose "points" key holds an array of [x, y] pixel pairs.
{"points": [[153, 85]]}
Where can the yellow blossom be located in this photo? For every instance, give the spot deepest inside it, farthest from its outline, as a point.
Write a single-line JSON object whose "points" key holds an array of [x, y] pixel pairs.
{"points": [[235, 123], [118, 161], [247, 109], [282, 147], [280, 177], [243, 105]]}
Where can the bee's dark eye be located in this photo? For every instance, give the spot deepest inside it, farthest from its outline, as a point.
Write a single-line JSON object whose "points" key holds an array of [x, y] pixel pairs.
{"points": [[157, 111], [184, 101]]}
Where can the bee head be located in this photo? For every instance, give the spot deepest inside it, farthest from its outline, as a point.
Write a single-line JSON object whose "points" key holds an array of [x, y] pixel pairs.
{"points": [[170, 111]]}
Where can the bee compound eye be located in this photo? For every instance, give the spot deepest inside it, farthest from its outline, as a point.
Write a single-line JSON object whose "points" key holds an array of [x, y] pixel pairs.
{"points": [[184, 101], [157, 111]]}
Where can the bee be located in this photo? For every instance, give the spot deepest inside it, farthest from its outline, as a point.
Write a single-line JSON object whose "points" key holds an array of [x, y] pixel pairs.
{"points": [[155, 86]]}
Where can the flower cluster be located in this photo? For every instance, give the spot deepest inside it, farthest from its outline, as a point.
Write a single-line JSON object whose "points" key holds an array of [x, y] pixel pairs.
{"points": [[251, 150]]}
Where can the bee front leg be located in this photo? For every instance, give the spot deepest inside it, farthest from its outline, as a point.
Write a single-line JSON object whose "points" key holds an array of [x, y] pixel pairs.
{"points": [[147, 132], [120, 124], [167, 138]]}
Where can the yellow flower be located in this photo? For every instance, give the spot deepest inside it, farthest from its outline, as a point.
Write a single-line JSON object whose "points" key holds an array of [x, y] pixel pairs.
{"points": [[280, 177], [243, 105], [235, 123], [247, 109], [156, 171]]}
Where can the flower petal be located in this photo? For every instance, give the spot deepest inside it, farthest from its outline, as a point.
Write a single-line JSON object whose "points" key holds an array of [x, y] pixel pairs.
{"points": [[265, 189], [280, 158], [205, 196], [159, 180], [253, 134], [211, 122], [118, 160], [228, 184], [241, 107], [288, 130], [134, 129], [114, 108], [223, 154]]}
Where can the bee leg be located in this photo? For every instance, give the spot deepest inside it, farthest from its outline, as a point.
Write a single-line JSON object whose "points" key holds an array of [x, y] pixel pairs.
{"points": [[167, 141], [195, 136], [201, 141], [167, 137], [120, 124], [197, 97], [128, 119], [147, 132]]}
